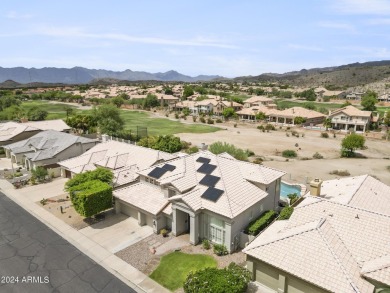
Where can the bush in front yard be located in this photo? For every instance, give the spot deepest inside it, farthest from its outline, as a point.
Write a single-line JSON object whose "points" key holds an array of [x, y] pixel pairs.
{"points": [[220, 249], [91, 198], [285, 213], [258, 225], [230, 279], [289, 154]]}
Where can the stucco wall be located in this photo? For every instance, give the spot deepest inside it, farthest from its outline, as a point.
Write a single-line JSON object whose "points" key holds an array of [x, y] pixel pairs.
{"points": [[279, 280]]}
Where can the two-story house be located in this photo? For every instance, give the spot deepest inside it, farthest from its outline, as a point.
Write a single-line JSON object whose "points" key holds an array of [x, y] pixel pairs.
{"points": [[205, 195], [350, 117], [258, 101]]}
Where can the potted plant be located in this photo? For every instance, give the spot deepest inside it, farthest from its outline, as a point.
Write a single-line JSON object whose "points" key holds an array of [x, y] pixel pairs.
{"points": [[164, 232]]}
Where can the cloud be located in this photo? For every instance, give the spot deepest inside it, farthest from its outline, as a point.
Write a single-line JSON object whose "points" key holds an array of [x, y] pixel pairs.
{"points": [[304, 47], [79, 33], [380, 7], [337, 25], [17, 16], [378, 21]]}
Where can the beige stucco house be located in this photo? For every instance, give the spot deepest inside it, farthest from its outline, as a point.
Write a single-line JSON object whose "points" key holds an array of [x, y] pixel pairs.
{"points": [[123, 159], [208, 196], [337, 241], [350, 117]]}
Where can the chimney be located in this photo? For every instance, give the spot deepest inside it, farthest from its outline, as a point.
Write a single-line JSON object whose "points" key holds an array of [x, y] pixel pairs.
{"points": [[315, 187]]}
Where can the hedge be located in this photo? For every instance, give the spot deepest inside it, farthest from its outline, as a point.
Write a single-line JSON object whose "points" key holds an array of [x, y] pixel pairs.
{"points": [[100, 174], [91, 198], [259, 224], [285, 213], [231, 279]]}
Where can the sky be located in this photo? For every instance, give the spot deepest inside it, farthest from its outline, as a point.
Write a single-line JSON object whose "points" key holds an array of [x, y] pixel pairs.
{"points": [[214, 37]]}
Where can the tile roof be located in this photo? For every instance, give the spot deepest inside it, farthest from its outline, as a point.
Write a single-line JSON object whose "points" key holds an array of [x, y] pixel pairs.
{"points": [[235, 181], [363, 191], [143, 195], [57, 124], [329, 244], [299, 111], [351, 111], [122, 158], [46, 144], [9, 130], [255, 99]]}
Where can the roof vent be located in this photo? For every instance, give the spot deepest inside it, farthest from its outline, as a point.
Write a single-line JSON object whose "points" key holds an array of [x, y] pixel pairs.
{"points": [[357, 216]]}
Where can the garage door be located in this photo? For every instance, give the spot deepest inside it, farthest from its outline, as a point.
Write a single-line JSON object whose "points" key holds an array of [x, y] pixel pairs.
{"points": [[299, 286], [267, 276], [129, 211]]}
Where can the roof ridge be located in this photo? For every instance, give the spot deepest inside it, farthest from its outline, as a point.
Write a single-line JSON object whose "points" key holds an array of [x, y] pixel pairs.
{"points": [[318, 228], [224, 186], [358, 187], [320, 199], [378, 268]]}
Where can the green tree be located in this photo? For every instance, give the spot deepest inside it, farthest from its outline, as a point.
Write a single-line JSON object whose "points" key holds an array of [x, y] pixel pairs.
{"points": [[165, 143], [39, 172], [261, 116], [108, 119], [150, 101], [309, 95], [118, 101], [299, 120], [69, 111], [36, 114], [188, 91], [167, 90], [327, 123], [228, 113], [81, 123], [369, 100], [350, 143], [386, 119], [101, 174]]}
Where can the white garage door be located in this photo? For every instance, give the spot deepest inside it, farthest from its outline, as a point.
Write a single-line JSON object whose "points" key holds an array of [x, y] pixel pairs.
{"points": [[129, 211]]}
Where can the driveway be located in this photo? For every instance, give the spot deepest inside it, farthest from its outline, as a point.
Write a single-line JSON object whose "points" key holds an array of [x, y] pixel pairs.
{"points": [[35, 259], [117, 232], [45, 190]]}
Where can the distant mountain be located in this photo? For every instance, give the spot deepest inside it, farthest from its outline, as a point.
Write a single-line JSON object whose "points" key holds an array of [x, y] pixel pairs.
{"points": [[81, 75]]}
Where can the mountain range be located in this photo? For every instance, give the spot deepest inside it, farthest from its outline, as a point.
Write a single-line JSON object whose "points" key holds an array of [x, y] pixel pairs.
{"points": [[81, 75]]}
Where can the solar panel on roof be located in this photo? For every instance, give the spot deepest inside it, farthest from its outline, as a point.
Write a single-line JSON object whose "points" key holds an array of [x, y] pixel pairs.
{"points": [[207, 168], [212, 194], [203, 160], [157, 172], [209, 180], [169, 167]]}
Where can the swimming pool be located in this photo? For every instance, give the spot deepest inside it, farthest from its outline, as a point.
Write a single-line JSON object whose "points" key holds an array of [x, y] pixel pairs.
{"points": [[286, 189]]}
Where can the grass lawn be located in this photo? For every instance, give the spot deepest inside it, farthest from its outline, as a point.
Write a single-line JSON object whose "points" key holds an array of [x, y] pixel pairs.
{"points": [[290, 104], [56, 111], [174, 268], [161, 126]]}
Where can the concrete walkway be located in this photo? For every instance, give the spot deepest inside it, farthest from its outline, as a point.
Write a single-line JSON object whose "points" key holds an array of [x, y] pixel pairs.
{"points": [[122, 270]]}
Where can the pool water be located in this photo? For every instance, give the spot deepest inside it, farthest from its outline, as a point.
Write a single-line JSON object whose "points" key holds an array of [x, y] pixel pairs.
{"points": [[286, 189]]}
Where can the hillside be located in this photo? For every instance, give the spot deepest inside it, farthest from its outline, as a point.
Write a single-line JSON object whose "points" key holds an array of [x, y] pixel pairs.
{"points": [[345, 76], [81, 75]]}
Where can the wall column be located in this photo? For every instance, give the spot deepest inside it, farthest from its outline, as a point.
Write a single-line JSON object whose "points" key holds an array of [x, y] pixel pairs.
{"points": [[141, 219], [194, 229], [346, 127], [174, 221], [282, 284], [117, 204]]}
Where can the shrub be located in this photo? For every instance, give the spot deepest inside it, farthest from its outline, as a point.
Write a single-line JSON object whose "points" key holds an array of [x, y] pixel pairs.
{"points": [[219, 148], [293, 197], [269, 127], [194, 118], [260, 127], [43, 201], [163, 232], [230, 279], [258, 161], [249, 153], [176, 115], [100, 174], [220, 249], [18, 174], [285, 213], [91, 197], [210, 121], [324, 135], [192, 150], [294, 133], [202, 120], [340, 172], [235, 125], [39, 173], [206, 244], [218, 120], [317, 155], [259, 224], [289, 154]]}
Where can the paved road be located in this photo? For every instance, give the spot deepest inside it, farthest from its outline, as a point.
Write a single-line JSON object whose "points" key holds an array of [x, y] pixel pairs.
{"points": [[43, 261]]}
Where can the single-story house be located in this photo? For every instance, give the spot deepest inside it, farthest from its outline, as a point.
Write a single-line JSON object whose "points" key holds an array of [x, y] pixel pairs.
{"points": [[325, 246], [351, 117], [47, 148], [287, 116], [249, 114], [208, 196], [123, 159], [11, 132]]}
